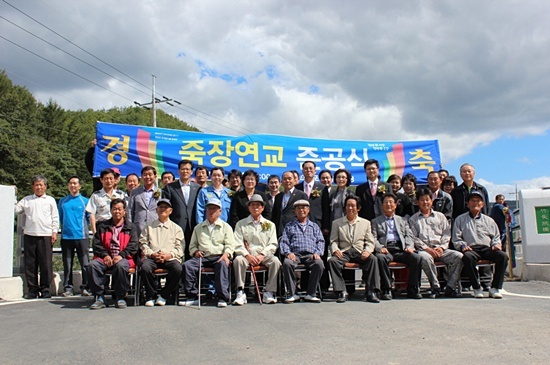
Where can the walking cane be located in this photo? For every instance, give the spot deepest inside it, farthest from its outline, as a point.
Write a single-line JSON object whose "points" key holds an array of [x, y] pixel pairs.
{"points": [[200, 275], [254, 276]]}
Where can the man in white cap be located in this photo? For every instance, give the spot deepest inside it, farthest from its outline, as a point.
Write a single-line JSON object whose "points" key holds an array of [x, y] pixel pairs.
{"points": [[302, 243], [214, 243], [260, 236]]}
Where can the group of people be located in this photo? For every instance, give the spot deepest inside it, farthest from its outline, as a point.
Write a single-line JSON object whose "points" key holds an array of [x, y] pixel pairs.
{"points": [[186, 225]]}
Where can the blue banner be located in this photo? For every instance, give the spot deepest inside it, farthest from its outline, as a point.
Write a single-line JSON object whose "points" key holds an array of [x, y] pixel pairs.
{"points": [[129, 148]]}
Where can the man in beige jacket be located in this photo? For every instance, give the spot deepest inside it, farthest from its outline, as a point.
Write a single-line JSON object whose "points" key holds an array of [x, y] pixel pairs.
{"points": [[161, 243], [261, 238], [351, 240]]}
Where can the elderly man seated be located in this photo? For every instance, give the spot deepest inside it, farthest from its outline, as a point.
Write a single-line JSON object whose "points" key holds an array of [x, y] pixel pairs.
{"points": [[477, 236], [431, 233], [161, 243], [212, 243], [115, 244], [302, 243], [256, 241], [351, 240], [393, 242]]}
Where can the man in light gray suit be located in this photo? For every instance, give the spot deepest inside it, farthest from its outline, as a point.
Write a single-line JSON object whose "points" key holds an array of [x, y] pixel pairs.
{"points": [[183, 197], [351, 240], [394, 242], [142, 203]]}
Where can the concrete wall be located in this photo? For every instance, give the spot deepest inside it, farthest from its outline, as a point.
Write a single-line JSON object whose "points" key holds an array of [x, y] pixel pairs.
{"points": [[10, 287], [7, 218]]}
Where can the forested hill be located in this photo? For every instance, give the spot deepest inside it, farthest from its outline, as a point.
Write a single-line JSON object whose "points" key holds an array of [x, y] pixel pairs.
{"points": [[48, 140]]}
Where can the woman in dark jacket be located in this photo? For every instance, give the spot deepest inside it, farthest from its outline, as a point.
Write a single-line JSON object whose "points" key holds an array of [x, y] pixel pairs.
{"points": [[239, 201]]}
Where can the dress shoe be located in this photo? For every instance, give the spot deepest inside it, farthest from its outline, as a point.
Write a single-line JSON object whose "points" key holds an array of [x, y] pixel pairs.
{"points": [[31, 295], [448, 292], [386, 295], [372, 297], [435, 293], [342, 297], [46, 294], [414, 295]]}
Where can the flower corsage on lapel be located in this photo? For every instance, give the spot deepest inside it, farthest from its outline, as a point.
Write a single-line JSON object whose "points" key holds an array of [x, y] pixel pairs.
{"points": [[315, 193], [265, 226], [381, 189]]}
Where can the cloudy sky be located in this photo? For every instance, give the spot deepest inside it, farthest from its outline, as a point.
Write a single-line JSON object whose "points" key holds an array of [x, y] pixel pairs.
{"points": [[472, 74]]}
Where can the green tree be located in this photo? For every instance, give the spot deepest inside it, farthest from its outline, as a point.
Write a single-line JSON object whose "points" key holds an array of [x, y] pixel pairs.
{"points": [[48, 140]]}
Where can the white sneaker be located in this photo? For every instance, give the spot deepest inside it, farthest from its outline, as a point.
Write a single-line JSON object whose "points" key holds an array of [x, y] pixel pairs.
{"points": [[121, 304], [222, 303], [188, 302], [312, 298], [150, 303], [478, 293], [495, 293], [292, 299], [241, 298], [269, 298], [160, 301]]}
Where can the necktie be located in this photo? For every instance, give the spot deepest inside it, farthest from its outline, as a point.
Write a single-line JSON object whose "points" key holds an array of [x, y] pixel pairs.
{"points": [[308, 190], [373, 188]]}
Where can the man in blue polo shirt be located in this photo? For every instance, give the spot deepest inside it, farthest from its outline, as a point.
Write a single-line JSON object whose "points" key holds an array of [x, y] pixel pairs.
{"points": [[74, 235]]}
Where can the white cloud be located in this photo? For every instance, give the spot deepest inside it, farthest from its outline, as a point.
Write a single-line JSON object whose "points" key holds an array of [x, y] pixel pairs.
{"points": [[464, 72], [509, 190]]}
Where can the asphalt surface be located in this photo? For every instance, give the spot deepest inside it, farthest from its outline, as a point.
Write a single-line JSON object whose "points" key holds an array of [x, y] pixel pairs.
{"points": [[404, 331]]}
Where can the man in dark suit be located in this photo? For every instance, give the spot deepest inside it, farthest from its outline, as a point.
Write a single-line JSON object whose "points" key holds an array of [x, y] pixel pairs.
{"points": [[442, 202], [372, 192], [273, 183], [183, 197], [313, 189], [393, 242], [461, 193], [283, 211]]}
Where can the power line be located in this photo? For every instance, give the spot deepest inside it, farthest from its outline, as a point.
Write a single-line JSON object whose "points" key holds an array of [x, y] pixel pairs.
{"points": [[37, 84], [73, 56], [66, 69], [74, 44], [229, 124]]}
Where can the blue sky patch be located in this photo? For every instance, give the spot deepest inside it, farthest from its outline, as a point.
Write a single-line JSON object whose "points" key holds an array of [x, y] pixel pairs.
{"points": [[206, 71], [314, 89]]}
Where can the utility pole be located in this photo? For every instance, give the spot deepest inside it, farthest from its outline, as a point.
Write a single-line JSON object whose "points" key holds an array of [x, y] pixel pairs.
{"points": [[155, 101]]}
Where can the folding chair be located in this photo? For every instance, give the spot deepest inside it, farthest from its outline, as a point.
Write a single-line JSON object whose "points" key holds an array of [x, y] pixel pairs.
{"points": [[160, 275], [132, 287], [302, 268], [258, 270], [209, 271]]}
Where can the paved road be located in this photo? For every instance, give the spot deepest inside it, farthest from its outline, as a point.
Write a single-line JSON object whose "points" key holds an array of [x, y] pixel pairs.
{"points": [[444, 331]]}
